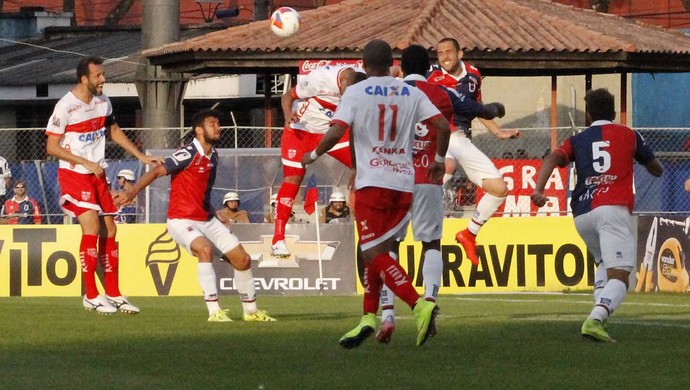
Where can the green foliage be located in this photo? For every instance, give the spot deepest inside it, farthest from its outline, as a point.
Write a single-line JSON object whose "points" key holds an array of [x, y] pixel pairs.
{"points": [[515, 341]]}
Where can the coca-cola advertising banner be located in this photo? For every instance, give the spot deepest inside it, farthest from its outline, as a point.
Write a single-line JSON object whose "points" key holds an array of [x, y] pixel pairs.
{"points": [[307, 66], [521, 177]]}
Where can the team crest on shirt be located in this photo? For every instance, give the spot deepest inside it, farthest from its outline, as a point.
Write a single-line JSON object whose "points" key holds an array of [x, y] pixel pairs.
{"points": [[55, 122], [292, 153], [85, 195]]}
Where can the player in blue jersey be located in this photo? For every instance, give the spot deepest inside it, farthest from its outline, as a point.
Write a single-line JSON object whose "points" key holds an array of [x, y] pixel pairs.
{"points": [[453, 73], [191, 219], [602, 201]]}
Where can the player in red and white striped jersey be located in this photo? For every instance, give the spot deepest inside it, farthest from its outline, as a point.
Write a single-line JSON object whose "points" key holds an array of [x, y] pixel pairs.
{"points": [[77, 132], [315, 98]]}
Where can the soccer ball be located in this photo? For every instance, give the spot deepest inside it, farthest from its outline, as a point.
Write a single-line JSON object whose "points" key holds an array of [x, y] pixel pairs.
{"points": [[285, 22]]}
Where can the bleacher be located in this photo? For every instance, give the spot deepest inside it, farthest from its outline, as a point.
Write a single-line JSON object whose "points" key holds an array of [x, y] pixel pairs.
{"points": [[43, 187]]}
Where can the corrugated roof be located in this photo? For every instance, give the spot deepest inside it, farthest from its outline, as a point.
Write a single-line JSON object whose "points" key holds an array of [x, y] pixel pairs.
{"points": [[53, 60], [487, 25]]}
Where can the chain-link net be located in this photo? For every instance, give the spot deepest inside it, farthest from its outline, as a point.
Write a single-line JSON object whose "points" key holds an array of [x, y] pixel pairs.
{"points": [[250, 165]]}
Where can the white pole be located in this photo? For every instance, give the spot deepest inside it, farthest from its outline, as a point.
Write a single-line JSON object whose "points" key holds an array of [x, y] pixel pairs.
{"points": [[318, 245]]}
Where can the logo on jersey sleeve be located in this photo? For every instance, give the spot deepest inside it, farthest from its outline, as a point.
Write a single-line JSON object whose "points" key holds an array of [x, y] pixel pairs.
{"points": [[181, 155]]}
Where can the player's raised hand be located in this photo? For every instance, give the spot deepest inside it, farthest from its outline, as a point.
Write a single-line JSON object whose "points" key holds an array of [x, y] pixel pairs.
{"points": [[539, 199], [508, 134]]}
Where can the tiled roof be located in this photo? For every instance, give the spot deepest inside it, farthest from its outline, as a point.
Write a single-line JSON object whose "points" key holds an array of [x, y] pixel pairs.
{"points": [[482, 26]]}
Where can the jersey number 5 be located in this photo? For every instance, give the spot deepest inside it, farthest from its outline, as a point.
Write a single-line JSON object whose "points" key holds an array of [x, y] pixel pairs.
{"points": [[382, 121], [601, 159]]}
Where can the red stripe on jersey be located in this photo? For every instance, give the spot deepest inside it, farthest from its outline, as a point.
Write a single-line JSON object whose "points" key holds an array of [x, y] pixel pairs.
{"points": [[325, 104], [86, 126]]}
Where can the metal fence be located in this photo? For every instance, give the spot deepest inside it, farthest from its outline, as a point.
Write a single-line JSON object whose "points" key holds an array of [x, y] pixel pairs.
{"points": [[250, 165]]}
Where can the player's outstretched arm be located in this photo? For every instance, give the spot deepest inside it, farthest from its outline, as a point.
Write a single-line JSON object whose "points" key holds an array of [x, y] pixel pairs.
{"points": [[438, 166], [125, 197], [656, 169], [497, 130], [332, 136], [119, 137], [555, 158]]}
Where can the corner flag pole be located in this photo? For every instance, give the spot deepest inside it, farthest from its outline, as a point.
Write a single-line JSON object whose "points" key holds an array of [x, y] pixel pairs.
{"points": [[318, 246]]}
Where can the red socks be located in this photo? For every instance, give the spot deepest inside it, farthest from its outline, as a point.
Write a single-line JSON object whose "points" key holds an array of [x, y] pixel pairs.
{"points": [[110, 260], [394, 276], [88, 256], [286, 198], [372, 290]]}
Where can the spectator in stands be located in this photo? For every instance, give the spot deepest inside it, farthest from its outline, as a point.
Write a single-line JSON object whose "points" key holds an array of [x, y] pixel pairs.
{"points": [[508, 155], [21, 209], [5, 178], [231, 213], [126, 213], [521, 154], [336, 210]]}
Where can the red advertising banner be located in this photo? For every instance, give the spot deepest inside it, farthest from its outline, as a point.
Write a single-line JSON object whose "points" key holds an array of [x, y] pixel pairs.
{"points": [[521, 178]]}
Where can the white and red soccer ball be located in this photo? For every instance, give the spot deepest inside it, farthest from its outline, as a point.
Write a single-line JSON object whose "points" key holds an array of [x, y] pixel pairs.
{"points": [[285, 22]]}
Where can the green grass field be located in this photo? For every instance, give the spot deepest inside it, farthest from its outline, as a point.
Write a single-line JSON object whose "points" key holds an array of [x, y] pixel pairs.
{"points": [[516, 341]]}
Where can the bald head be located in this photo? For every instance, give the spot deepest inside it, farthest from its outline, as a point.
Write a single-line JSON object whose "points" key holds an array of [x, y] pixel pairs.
{"points": [[349, 77], [377, 58]]}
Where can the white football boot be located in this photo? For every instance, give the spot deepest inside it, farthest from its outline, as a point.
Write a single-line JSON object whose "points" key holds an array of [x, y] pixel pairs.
{"points": [[279, 249], [100, 304], [123, 304]]}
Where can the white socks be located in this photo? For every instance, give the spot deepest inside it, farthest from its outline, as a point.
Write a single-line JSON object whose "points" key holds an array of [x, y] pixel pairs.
{"points": [[244, 283], [432, 271], [207, 281], [600, 279], [609, 300], [486, 207]]}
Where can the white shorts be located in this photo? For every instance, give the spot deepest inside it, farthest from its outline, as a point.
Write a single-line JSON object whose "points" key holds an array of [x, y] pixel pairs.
{"points": [[427, 212], [476, 164], [608, 233], [184, 231]]}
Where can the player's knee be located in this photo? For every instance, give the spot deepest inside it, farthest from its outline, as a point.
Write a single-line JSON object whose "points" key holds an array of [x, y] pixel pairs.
{"points": [[620, 273], [495, 187], [203, 252], [241, 262]]}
